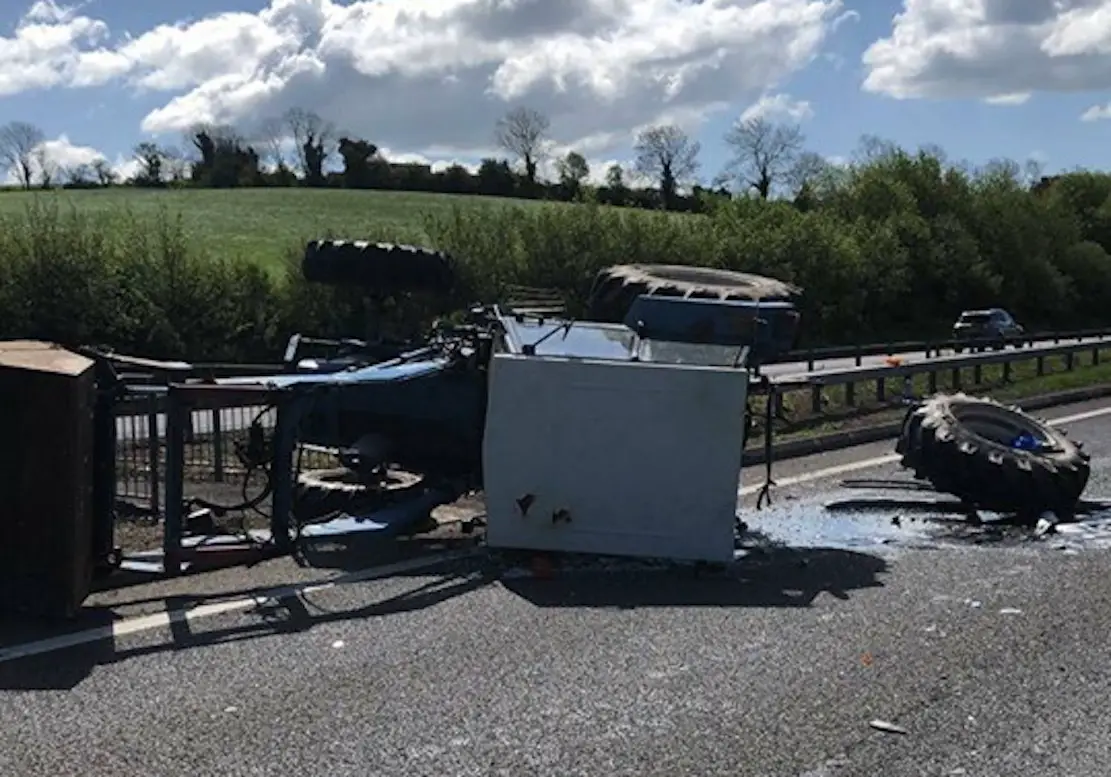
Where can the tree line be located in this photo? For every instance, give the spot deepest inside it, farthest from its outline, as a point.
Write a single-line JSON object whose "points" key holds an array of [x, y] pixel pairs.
{"points": [[301, 148]]}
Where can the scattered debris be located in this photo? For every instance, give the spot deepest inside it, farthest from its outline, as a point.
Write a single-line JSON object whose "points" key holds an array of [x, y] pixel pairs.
{"points": [[1047, 524], [338, 644], [1010, 611], [887, 728]]}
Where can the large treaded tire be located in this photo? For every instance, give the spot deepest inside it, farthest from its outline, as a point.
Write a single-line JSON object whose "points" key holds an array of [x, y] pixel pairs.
{"points": [[615, 288], [956, 443], [382, 267]]}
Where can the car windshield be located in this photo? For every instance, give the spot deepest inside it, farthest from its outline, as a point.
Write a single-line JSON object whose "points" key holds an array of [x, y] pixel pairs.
{"points": [[975, 318]]}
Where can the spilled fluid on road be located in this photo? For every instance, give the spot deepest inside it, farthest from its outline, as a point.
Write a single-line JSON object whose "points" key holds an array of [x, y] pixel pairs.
{"points": [[871, 521]]}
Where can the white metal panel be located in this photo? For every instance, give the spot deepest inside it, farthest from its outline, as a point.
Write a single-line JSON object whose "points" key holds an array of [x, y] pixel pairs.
{"points": [[644, 458]]}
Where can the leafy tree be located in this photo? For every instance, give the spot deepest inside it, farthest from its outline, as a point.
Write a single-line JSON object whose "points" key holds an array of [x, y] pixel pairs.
{"points": [[523, 132], [573, 171], [669, 155]]}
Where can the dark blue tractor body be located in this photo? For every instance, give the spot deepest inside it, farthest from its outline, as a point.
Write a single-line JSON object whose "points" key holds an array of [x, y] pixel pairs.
{"points": [[424, 410]]}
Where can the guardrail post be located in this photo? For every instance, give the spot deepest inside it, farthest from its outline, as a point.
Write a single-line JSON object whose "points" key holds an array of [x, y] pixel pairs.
{"points": [[1041, 366], [177, 420], [816, 399], [217, 447], [152, 455], [850, 394], [977, 375], [931, 382], [1006, 372], [1069, 360], [1095, 356], [881, 389], [956, 377]]}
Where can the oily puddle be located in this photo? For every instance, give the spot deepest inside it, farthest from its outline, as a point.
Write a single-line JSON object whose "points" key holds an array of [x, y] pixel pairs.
{"points": [[873, 520]]}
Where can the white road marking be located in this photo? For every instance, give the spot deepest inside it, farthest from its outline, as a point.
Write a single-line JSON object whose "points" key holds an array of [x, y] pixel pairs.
{"points": [[160, 620], [891, 458]]}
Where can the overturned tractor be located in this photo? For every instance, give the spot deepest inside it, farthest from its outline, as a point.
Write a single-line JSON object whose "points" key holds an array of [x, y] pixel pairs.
{"points": [[556, 421]]}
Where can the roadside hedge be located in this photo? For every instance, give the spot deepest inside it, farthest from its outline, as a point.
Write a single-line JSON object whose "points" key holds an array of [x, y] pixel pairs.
{"points": [[891, 248]]}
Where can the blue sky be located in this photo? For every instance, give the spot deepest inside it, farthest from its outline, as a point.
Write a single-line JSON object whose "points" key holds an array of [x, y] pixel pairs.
{"points": [[371, 72]]}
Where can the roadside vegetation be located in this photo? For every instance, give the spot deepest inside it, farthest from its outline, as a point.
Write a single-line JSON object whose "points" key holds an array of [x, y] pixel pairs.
{"points": [[892, 246]]}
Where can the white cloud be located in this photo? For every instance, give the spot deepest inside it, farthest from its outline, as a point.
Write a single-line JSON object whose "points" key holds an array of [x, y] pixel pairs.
{"points": [[1097, 113], [427, 74], [998, 50], [61, 155], [50, 48], [778, 107], [847, 16], [1018, 98]]}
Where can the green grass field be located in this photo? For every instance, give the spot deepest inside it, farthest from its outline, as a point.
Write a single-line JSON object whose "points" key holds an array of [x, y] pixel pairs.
{"points": [[263, 225]]}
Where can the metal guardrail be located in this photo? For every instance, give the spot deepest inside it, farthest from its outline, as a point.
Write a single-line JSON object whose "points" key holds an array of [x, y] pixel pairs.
{"points": [[930, 347], [544, 302], [955, 365], [209, 454]]}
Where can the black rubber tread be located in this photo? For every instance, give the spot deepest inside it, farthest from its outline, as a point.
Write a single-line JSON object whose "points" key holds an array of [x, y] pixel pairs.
{"points": [[615, 288], [323, 492], [986, 474], [382, 267]]}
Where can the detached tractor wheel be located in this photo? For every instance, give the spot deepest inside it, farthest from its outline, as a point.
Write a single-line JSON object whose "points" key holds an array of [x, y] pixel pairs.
{"points": [[615, 288], [320, 494], [965, 446]]}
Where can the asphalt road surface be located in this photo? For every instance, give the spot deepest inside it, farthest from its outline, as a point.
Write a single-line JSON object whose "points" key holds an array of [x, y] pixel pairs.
{"points": [[987, 647]]}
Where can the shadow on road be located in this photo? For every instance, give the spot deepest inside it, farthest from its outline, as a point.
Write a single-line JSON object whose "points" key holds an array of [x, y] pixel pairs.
{"points": [[770, 578], [780, 578]]}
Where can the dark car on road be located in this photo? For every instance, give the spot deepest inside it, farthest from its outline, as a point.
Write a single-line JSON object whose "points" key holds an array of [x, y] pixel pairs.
{"points": [[993, 327]]}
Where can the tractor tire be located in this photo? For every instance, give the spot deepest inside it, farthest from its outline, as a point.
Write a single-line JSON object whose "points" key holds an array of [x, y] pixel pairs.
{"points": [[962, 445], [615, 288], [385, 268], [319, 494]]}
